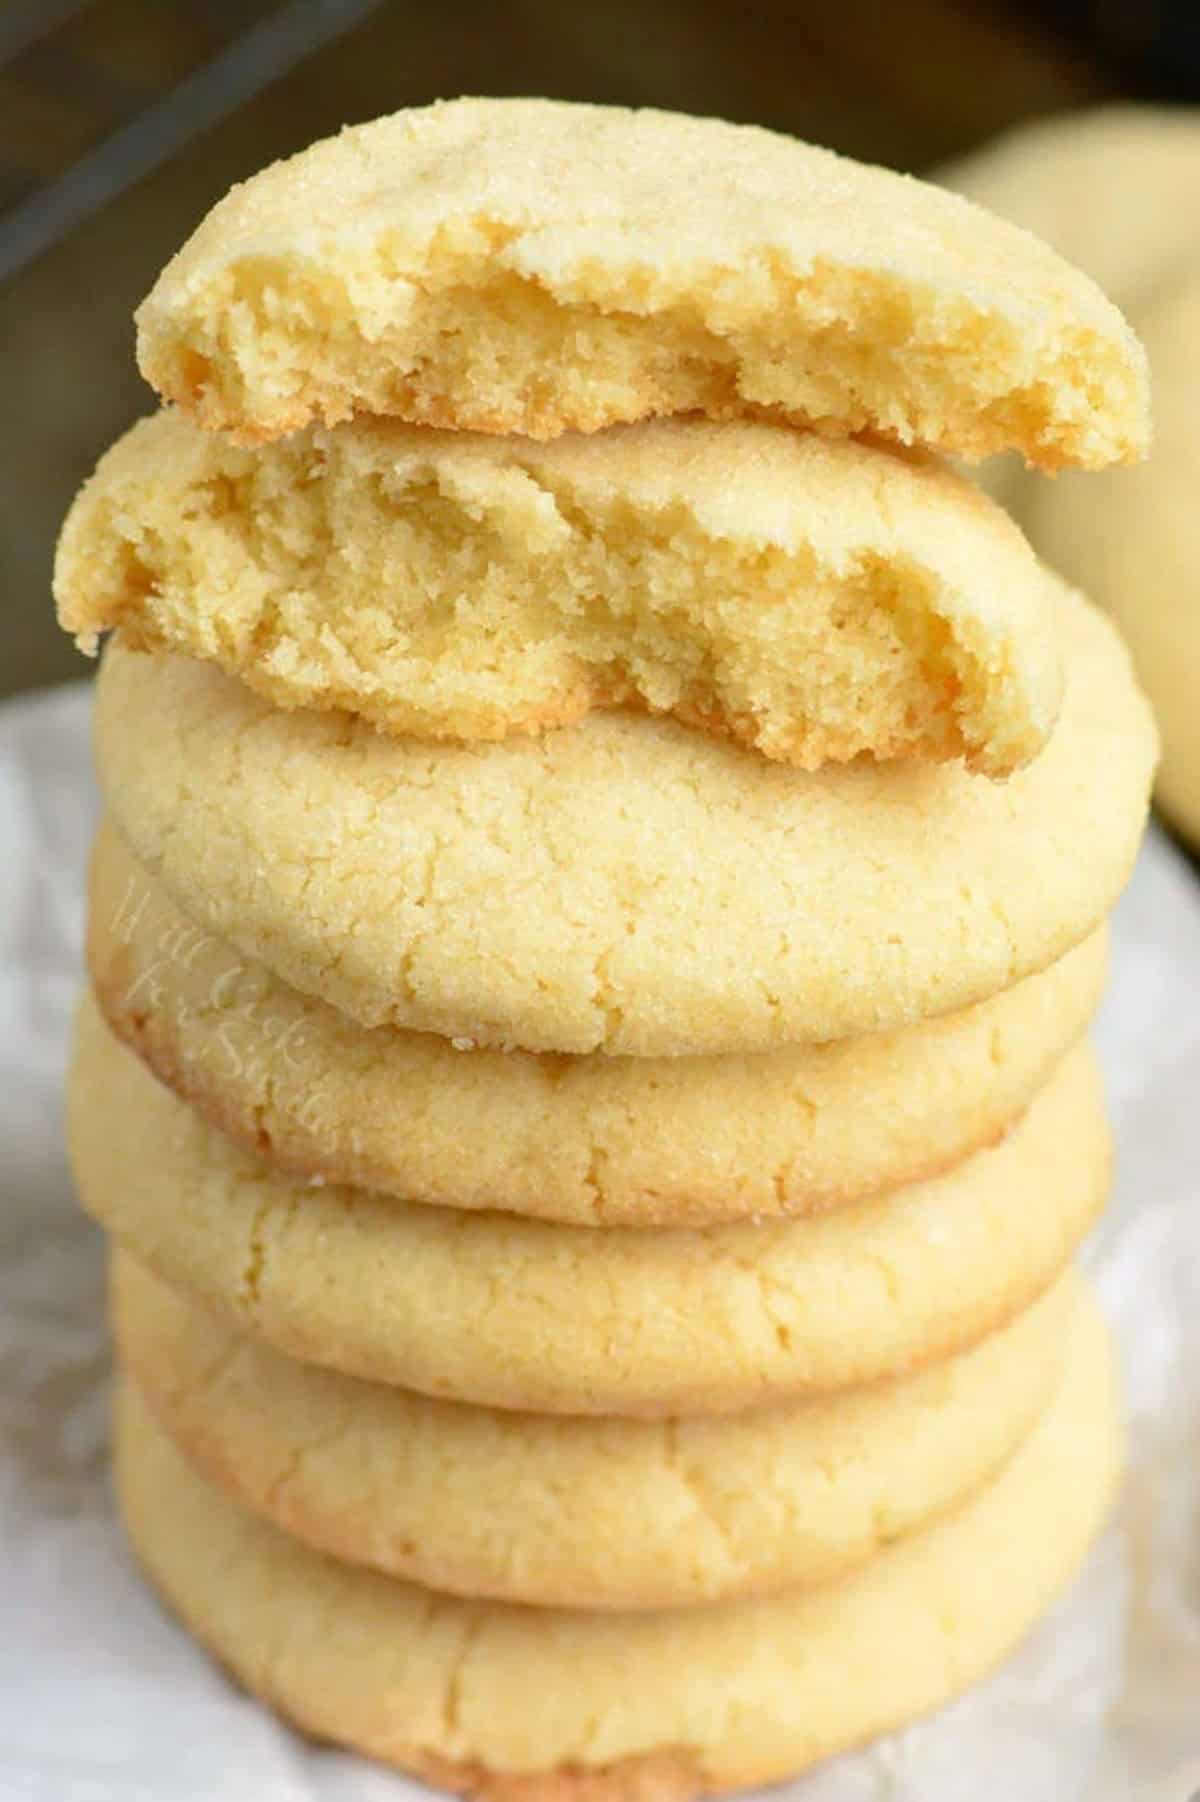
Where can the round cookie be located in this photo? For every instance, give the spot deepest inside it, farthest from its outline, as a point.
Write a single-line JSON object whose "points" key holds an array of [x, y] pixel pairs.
{"points": [[815, 600], [1113, 189], [582, 1513], [625, 884], [515, 1704], [1136, 543], [513, 1313], [599, 1141], [532, 266]]}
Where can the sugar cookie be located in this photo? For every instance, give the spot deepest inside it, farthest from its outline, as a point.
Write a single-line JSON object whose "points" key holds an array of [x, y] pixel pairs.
{"points": [[601, 1141], [815, 600], [624, 885], [521, 1704], [581, 1513], [531, 266], [1137, 543], [512, 1313], [1111, 188]]}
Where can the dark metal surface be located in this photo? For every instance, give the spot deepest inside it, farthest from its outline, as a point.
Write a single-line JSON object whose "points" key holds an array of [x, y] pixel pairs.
{"points": [[161, 127]]}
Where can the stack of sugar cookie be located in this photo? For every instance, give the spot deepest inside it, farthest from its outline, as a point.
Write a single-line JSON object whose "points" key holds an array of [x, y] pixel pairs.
{"points": [[592, 941]]}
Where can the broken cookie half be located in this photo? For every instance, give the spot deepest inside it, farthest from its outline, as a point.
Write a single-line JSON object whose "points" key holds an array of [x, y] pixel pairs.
{"points": [[813, 599], [535, 267]]}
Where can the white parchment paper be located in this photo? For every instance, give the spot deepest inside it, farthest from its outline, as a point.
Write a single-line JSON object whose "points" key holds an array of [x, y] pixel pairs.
{"points": [[103, 1699]]}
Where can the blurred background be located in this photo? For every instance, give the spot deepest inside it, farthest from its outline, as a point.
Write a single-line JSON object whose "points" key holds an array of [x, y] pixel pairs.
{"points": [[121, 121]]}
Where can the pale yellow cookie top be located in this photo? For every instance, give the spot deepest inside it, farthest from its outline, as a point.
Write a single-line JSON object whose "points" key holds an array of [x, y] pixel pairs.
{"points": [[618, 1707], [605, 1141], [582, 1513], [533, 265], [624, 885], [814, 599], [515, 1313]]}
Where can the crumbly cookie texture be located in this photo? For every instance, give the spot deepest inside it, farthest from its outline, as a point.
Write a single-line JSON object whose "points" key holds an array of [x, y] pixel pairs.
{"points": [[815, 600], [582, 1513], [657, 1707], [534, 266], [512, 1313], [594, 1140], [625, 885]]}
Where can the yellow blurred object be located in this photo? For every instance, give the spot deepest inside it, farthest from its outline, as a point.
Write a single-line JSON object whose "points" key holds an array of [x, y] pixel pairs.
{"points": [[1113, 189], [1116, 191], [1134, 543]]}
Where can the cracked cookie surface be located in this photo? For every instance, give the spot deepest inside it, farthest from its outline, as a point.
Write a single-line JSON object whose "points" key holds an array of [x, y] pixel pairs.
{"points": [[663, 1705], [593, 1140], [581, 1513], [525, 1314], [623, 885]]}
